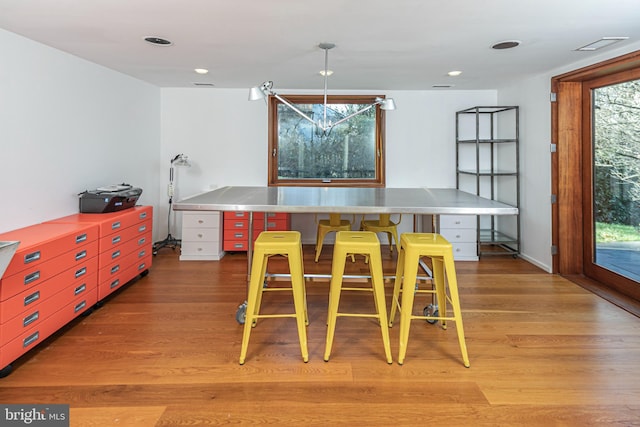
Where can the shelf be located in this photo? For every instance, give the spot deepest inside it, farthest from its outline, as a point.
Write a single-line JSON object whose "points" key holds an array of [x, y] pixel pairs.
{"points": [[488, 172], [487, 148]]}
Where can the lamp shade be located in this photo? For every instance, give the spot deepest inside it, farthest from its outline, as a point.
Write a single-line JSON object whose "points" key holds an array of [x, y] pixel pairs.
{"points": [[255, 94], [181, 160], [388, 104]]}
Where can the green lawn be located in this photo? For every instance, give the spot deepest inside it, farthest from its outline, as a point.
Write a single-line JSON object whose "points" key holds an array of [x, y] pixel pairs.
{"points": [[616, 233]]}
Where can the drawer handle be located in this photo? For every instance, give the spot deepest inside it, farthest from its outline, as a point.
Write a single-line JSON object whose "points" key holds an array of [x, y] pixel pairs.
{"points": [[142, 253], [238, 245], [141, 241], [239, 214], [115, 255], [238, 235], [81, 255], [31, 339], [200, 221], [115, 268], [80, 306], [142, 228], [458, 249], [116, 240], [115, 225], [33, 256], [81, 272], [239, 225], [30, 319], [80, 289], [31, 298], [458, 222], [29, 278], [199, 249], [114, 283], [200, 235], [81, 238], [142, 215], [142, 266], [457, 236]]}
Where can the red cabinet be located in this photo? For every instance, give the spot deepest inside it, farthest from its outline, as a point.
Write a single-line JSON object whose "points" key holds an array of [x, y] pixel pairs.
{"points": [[236, 227], [64, 267], [51, 279], [125, 245]]}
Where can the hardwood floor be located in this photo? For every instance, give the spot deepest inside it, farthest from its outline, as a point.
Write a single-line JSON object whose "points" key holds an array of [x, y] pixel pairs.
{"points": [[164, 352]]}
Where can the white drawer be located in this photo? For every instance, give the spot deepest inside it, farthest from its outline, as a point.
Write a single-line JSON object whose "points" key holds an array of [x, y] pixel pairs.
{"points": [[200, 248], [201, 234], [458, 221], [201, 220], [454, 235], [465, 251]]}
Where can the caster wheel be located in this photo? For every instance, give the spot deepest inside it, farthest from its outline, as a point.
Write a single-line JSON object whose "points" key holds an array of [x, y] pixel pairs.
{"points": [[241, 313], [431, 310], [144, 273]]}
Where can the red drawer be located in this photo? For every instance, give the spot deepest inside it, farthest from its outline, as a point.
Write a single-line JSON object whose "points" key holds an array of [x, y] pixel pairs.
{"points": [[124, 248], [233, 215], [111, 222], [66, 265], [234, 245], [112, 270], [113, 240], [124, 275], [32, 311], [33, 336], [43, 242]]}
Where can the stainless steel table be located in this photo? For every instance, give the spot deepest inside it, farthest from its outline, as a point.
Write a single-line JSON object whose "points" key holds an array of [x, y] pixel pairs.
{"points": [[416, 201]]}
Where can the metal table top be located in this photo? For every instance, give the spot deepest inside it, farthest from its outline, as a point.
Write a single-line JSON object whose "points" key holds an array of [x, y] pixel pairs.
{"points": [[435, 201]]}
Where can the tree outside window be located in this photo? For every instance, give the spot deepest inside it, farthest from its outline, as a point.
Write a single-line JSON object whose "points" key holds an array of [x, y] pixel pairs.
{"points": [[350, 154]]}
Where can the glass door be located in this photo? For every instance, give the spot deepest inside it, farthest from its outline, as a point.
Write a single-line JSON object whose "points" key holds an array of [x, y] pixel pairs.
{"points": [[612, 159]]}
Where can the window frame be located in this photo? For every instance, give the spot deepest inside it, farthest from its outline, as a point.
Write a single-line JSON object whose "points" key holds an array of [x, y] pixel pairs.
{"points": [[378, 181]]}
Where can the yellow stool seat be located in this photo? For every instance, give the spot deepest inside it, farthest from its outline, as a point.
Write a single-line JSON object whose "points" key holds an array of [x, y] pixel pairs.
{"points": [[326, 226], [364, 243], [412, 247], [268, 244], [383, 225]]}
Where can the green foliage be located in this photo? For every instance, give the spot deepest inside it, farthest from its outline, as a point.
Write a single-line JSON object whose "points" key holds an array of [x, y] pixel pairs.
{"points": [[616, 233], [616, 154]]}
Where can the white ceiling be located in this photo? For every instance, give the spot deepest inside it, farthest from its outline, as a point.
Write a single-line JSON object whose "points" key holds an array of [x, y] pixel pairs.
{"points": [[380, 44]]}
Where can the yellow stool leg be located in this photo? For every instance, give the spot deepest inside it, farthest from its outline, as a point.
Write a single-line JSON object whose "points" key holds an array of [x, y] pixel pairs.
{"points": [[258, 264], [335, 287], [395, 300], [408, 286], [455, 303], [297, 285], [439, 283], [377, 282]]}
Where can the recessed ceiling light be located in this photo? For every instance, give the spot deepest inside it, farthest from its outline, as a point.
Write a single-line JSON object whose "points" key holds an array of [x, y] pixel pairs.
{"points": [[506, 44], [442, 86], [454, 73], [201, 70], [158, 41], [203, 84], [328, 72], [599, 44]]}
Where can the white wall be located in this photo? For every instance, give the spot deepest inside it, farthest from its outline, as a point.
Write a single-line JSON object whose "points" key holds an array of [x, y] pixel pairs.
{"points": [[225, 137], [68, 125], [532, 94]]}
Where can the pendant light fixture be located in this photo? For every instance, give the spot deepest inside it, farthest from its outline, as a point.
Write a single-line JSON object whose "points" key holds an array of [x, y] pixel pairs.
{"points": [[266, 89]]}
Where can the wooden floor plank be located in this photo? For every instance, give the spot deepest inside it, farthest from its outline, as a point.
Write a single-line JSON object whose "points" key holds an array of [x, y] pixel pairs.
{"points": [[164, 351]]}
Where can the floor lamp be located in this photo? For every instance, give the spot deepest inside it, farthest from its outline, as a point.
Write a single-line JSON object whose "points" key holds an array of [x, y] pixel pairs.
{"points": [[170, 241]]}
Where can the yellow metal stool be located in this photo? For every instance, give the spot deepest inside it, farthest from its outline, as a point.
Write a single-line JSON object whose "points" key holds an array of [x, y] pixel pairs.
{"points": [[364, 243], [412, 247], [268, 244], [326, 226], [383, 225]]}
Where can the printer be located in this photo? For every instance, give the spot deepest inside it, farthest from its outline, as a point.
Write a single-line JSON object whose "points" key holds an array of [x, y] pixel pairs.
{"points": [[110, 198]]}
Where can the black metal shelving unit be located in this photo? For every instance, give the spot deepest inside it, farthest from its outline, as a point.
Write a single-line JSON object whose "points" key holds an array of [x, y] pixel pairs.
{"points": [[488, 164]]}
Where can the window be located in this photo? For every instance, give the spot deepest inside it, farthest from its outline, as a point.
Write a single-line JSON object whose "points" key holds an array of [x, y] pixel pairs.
{"points": [[351, 154]]}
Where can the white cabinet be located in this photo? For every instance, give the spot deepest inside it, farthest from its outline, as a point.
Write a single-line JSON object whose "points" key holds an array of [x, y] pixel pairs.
{"points": [[201, 236], [461, 232]]}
